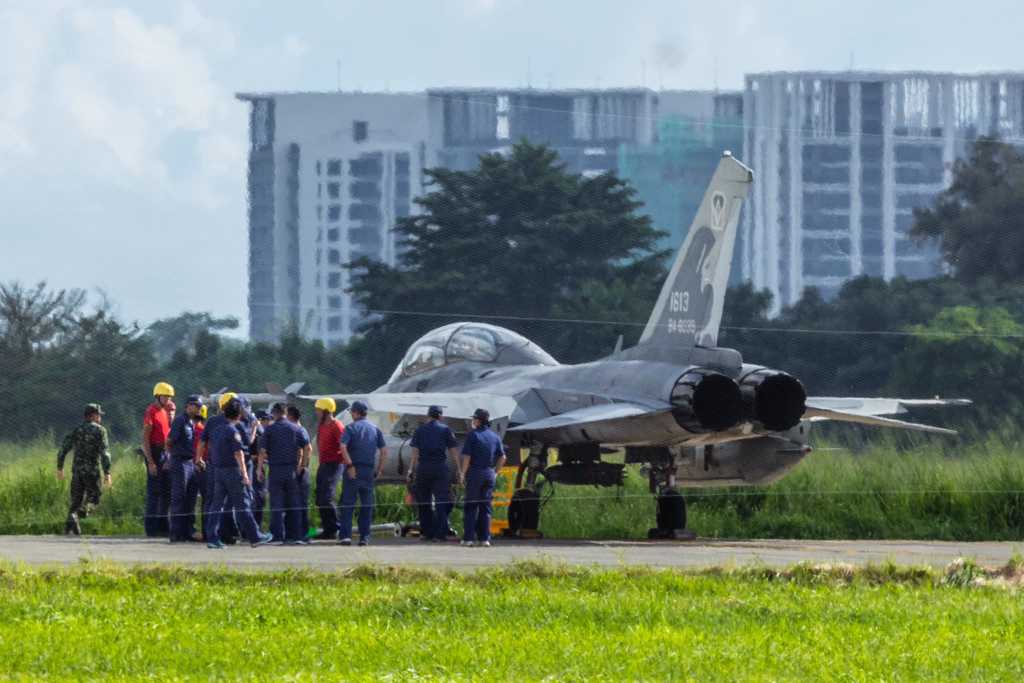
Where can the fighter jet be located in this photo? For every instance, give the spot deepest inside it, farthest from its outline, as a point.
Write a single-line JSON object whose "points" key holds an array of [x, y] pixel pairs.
{"points": [[693, 413]]}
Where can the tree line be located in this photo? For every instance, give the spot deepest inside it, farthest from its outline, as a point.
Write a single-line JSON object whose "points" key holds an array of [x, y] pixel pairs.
{"points": [[573, 264]]}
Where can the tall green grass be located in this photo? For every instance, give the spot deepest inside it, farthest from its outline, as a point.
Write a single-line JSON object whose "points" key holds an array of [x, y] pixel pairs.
{"points": [[976, 493]]}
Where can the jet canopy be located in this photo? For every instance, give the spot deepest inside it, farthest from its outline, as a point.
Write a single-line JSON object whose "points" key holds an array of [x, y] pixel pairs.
{"points": [[473, 342]]}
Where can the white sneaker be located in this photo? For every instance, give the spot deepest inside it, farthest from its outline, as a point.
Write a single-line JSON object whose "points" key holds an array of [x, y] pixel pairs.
{"points": [[484, 544], [467, 544]]}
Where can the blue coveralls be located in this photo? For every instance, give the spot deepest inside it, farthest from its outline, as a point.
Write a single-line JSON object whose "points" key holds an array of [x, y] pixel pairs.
{"points": [[362, 438], [183, 483], [483, 447], [249, 446], [282, 441], [229, 490], [433, 480], [228, 528]]}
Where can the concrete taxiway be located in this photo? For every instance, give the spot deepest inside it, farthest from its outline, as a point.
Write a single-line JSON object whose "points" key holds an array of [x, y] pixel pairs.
{"points": [[321, 555]]}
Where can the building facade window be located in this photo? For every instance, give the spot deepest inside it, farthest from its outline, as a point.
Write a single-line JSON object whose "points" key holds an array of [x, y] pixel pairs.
{"points": [[360, 130]]}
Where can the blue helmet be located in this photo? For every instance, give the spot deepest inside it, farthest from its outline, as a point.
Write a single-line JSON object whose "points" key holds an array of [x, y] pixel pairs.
{"points": [[358, 407], [435, 411]]}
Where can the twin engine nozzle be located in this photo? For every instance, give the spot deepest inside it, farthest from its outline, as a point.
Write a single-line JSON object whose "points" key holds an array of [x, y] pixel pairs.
{"points": [[707, 401]]}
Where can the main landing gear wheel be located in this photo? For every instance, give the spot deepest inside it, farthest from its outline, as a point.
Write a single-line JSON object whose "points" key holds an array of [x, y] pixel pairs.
{"points": [[524, 508], [671, 518], [671, 506]]}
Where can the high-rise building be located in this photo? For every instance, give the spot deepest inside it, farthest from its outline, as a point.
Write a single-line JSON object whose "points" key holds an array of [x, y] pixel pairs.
{"points": [[671, 173], [842, 160], [585, 127], [329, 174]]}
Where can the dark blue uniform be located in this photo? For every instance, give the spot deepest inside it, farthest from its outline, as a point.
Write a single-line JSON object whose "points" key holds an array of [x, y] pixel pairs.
{"points": [[184, 487], [250, 447], [483, 447], [433, 480], [228, 528], [229, 489], [362, 438], [283, 441]]}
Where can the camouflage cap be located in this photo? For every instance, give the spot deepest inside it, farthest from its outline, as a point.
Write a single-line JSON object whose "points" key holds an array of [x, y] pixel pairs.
{"points": [[93, 409]]}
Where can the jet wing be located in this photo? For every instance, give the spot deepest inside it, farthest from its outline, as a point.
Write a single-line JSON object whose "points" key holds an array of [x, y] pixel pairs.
{"points": [[611, 423], [458, 406], [869, 411]]}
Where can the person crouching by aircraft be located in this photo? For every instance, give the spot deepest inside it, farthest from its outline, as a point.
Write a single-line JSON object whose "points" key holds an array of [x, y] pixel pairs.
{"points": [[482, 456], [429, 476], [295, 417], [231, 487], [331, 465], [181, 453], [281, 447], [360, 444]]}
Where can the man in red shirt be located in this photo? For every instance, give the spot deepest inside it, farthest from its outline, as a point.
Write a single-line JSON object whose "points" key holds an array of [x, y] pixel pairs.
{"points": [[332, 464], [155, 428]]}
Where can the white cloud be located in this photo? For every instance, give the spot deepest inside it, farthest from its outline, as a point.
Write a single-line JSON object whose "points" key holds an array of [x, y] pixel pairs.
{"points": [[214, 35], [294, 46], [24, 38], [120, 91]]}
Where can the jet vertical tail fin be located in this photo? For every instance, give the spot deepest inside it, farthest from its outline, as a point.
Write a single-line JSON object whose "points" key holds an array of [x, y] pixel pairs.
{"points": [[689, 308]]}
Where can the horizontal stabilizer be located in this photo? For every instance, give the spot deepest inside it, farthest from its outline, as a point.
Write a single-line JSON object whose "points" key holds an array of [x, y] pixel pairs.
{"points": [[821, 414], [881, 406]]}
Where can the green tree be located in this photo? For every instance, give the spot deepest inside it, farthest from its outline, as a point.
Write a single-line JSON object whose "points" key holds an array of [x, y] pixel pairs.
{"points": [[180, 332], [979, 219], [967, 351], [518, 241]]}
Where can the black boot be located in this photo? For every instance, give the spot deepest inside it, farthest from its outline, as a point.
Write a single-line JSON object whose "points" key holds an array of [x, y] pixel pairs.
{"points": [[71, 526]]}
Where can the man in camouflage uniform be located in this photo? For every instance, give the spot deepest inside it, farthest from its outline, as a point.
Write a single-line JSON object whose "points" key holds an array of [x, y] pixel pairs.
{"points": [[89, 442]]}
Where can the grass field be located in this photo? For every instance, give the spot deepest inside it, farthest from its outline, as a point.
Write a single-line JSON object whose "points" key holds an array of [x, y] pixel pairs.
{"points": [[523, 622], [971, 493]]}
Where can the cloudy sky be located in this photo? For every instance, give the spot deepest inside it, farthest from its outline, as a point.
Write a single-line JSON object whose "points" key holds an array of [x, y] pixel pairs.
{"points": [[122, 148]]}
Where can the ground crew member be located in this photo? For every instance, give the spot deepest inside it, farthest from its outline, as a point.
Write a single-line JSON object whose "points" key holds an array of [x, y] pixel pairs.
{"points": [[253, 430], [331, 465], [281, 447], [199, 465], [89, 443], [428, 473], [231, 489], [228, 531], [181, 454], [482, 455], [155, 427], [295, 417], [360, 444]]}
